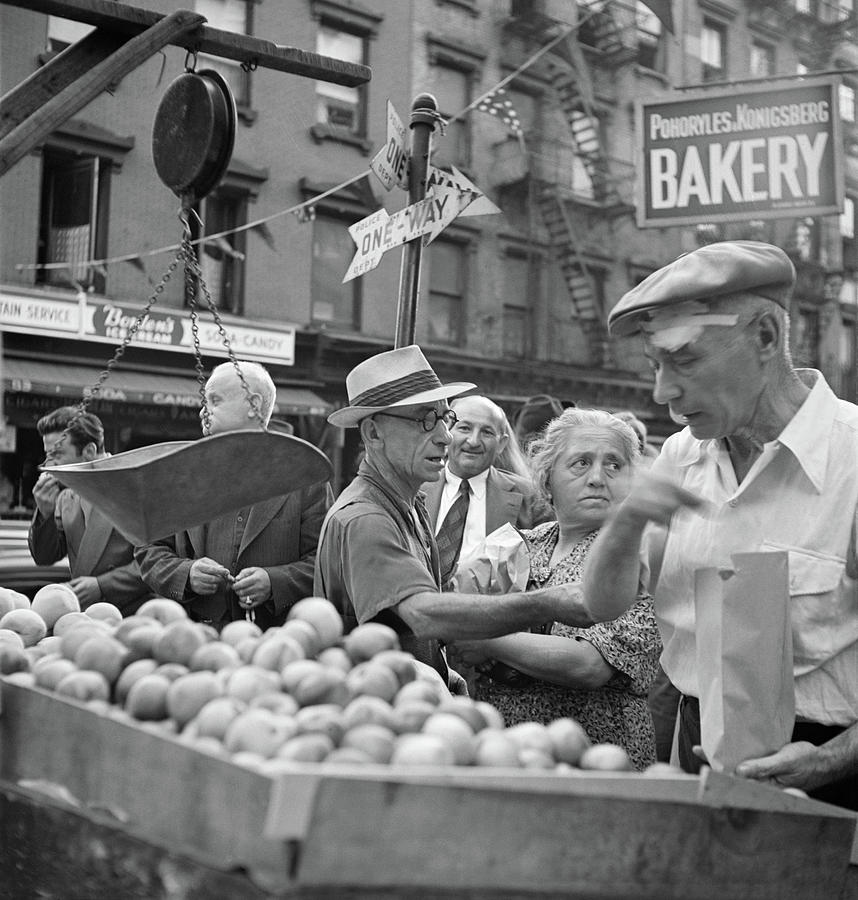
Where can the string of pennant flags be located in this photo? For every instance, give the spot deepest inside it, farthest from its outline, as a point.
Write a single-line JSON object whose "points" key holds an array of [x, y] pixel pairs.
{"points": [[495, 102]]}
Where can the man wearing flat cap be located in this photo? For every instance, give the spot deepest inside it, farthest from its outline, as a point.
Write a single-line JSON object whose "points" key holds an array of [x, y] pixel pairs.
{"points": [[769, 454], [377, 558]]}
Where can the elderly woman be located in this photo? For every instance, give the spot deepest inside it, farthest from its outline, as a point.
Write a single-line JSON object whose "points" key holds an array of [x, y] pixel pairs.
{"points": [[583, 464]]}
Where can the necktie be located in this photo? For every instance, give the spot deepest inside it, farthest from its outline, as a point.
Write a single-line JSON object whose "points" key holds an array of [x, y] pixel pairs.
{"points": [[449, 536]]}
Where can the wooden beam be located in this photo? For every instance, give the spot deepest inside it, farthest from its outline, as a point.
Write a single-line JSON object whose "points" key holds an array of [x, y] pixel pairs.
{"points": [[56, 75], [131, 20], [32, 130]]}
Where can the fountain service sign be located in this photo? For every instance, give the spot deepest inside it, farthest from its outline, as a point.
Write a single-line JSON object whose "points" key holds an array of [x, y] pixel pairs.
{"points": [[753, 153]]}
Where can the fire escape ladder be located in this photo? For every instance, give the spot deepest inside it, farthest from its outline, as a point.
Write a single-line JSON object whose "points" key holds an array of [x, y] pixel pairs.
{"points": [[583, 290], [605, 33]]}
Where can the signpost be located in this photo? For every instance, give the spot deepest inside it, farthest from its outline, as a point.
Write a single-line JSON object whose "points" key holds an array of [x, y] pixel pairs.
{"points": [[390, 164], [755, 152]]}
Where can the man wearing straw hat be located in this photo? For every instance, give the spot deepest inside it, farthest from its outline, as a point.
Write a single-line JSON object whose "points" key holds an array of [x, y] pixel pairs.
{"points": [[377, 557]]}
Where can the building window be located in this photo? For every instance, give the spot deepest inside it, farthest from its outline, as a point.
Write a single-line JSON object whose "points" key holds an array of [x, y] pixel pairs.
{"points": [[222, 259], [713, 55], [235, 16], [341, 108], [762, 59], [517, 291], [649, 38], [334, 304], [447, 279], [452, 88], [74, 217], [847, 102]]}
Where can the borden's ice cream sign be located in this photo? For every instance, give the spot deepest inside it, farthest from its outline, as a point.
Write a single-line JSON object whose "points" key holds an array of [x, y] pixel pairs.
{"points": [[751, 153]]}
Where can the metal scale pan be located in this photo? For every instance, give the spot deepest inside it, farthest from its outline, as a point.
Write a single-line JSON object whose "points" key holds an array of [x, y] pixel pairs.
{"points": [[156, 491]]}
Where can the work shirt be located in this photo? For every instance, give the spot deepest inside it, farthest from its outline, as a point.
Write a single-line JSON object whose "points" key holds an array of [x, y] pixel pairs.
{"points": [[376, 550], [800, 496], [475, 522]]}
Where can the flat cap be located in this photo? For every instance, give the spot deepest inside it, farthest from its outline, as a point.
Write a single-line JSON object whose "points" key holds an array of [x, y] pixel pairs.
{"points": [[727, 267]]}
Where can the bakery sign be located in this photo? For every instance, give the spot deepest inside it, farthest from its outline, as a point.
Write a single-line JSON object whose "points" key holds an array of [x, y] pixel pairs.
{"points": [[752, 152]]}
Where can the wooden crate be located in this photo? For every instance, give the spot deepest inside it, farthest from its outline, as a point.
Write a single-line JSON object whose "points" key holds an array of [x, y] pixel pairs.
{"points": [[374, 831]]}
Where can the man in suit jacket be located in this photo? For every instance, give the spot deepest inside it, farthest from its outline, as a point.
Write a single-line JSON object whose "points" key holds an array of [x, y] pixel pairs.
{"points": [[259, 557], [496, 497], [101, 560]]}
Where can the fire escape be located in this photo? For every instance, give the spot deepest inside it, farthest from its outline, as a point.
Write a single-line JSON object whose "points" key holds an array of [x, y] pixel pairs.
{"points": [[571, 78]]}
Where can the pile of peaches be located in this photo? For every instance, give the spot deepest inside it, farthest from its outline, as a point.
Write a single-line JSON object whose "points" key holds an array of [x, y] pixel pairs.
{"points": [[300, 692]]}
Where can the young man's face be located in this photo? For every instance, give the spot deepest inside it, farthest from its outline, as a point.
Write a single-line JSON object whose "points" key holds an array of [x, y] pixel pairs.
{"points": [[59, 450]]}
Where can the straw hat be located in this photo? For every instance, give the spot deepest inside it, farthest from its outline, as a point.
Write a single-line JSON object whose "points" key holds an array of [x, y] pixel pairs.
{"points": [[400, 377]]}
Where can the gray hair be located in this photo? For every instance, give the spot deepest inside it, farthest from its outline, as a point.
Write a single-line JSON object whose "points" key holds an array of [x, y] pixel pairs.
{"points": [[259, 382], [545, 450]]}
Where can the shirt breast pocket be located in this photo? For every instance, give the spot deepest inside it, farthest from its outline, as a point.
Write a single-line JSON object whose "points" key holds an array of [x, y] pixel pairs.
{"points": [[823, 606]]}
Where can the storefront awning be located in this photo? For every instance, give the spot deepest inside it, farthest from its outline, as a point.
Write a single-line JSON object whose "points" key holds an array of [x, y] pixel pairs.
{"points": [[64, 380]]}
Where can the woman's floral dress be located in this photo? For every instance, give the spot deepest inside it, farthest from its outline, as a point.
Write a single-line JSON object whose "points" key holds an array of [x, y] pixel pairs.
{"points": [[616, 713]]}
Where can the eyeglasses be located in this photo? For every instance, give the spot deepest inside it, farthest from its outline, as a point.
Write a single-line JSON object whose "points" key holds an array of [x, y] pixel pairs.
{"points": [[430, 420]]}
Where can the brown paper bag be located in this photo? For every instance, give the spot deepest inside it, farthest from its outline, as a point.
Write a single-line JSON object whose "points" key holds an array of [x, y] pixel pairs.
{"points": [[744, 658]]}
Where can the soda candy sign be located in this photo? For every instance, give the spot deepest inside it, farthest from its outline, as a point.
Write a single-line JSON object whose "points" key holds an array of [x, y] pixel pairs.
{"points": [[752, 153]]}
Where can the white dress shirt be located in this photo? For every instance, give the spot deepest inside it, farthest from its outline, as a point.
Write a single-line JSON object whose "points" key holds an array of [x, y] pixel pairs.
{"points": [[475, 524]]}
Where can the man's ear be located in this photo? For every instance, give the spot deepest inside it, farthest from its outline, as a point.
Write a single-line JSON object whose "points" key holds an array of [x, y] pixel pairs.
{"points": [[255, 403], [369, 431], [89, 452], [768, 335]]}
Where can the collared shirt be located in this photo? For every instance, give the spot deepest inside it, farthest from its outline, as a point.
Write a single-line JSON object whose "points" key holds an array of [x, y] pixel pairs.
{"points": [[475, 523], [800, 496], [376, 550]]}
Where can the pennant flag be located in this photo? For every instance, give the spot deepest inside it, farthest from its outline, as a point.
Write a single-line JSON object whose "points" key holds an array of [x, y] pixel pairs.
{"points": [[305, 214], [219, 247], [137, 263], [265, 233], [663, 10], [497, 103]]}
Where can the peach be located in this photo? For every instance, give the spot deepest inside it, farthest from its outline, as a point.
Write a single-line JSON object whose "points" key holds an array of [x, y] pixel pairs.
{"points": [[73, 639], [335, 658], [10, 600], [68, 621], [234, 632], [421, 690], [188, 694], [569, 740], [49, 672], [27, 623], [215, 717], [246, 647], [147, 698], [304, 633], [325, 686], [322, 615], [292, 673], [367, 708], [400, 662], [162, 609], [531, 734], [492, 715], [177, 642], [249, 680], [122, 629], [102, 653], [454, 731], [494, 748], [411, 714], [326, 718], [141, 640], [276, 701], [467, 709], [348, 756], [277, 652], [7, 636], [172, 671], [258, 731], [214, 655], [53, 601], [374, 740], [13, 659], [84, 686], [364, 641], [606, 758], [422, 750], [373, 679], [134, 671], [104, 612], [534, 758], [311, 747]]}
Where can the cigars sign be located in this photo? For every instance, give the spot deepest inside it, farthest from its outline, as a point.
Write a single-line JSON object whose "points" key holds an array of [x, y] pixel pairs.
{"points": [[757, 153]]}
